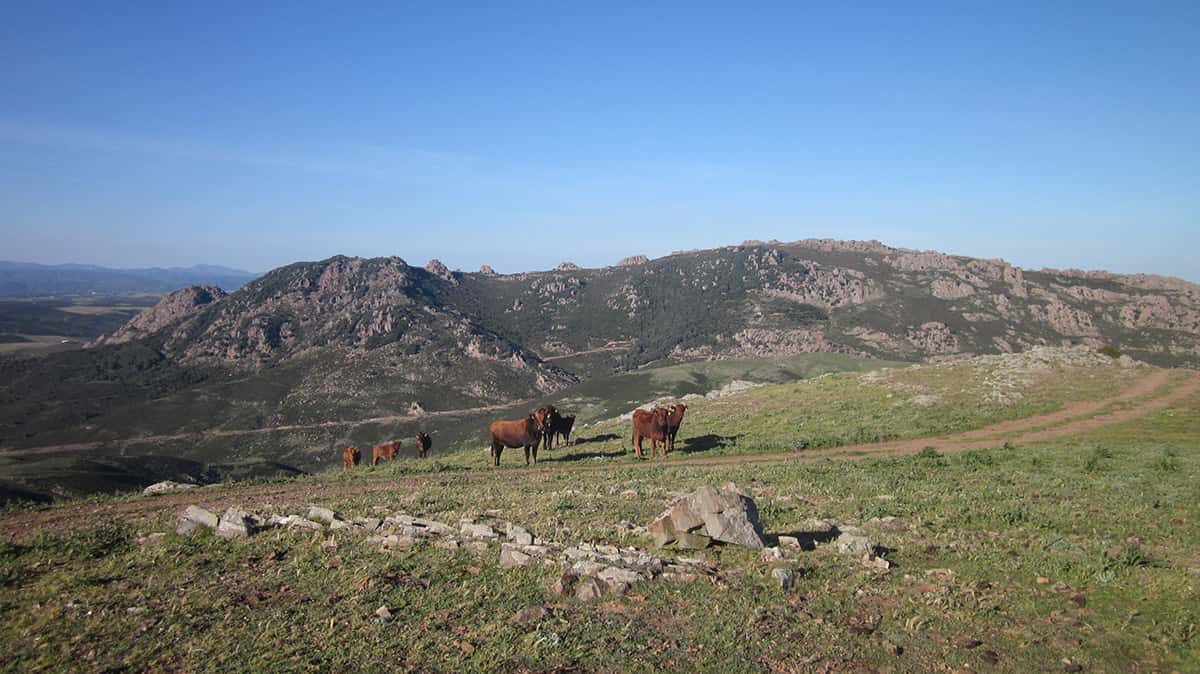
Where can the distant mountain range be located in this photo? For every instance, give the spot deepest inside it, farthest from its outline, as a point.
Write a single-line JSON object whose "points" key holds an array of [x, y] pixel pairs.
{"points": [[26, 279]]}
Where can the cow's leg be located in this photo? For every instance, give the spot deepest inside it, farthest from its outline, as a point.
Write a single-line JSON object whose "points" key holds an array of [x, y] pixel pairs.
{"points": [[526, 454], [495, 452], [535, 453]]}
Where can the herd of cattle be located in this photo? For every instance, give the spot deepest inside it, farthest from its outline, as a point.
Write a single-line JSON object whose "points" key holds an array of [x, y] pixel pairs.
{"points": [[545, 426]]}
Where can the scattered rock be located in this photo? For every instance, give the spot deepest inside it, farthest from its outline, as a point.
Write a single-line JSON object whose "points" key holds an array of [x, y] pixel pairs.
{"points": [[876, 563], [194, 517], [589, 589], [772, 554], [565, 585], [785, 577], [615, 574], [587, 567], [486, 270], [323, 515], [383, 614], [235, 523], [789, 542], [519, 535], [893, 648], [302, 523], [166, 487], [854, 541], [618, 589], [368, 523], [1042, 580], [967, 642], [528, 615], [472, 530], [510, 557]]}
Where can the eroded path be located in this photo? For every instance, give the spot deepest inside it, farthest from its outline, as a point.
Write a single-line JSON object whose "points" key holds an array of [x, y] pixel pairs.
{"points": [[1147, 395]]}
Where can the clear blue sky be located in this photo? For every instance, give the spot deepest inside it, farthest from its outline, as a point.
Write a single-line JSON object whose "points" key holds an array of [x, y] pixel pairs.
{"points": [[522, 135]]}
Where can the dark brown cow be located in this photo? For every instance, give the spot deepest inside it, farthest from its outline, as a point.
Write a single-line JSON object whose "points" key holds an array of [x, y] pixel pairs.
{"points": [[423, 444], [387, 450], [563, 427], [651, 425], [525, 433], [350, 457], [547, 418], [674, 419]]}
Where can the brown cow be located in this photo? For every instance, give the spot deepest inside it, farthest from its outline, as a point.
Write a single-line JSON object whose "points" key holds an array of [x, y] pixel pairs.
{"points": [[562, 427], [423, 444], [651, 425], [525, 433], [350, 457], [387, 450], [674, 419]]}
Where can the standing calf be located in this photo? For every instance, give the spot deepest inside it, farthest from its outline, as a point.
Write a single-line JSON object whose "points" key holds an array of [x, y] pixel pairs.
{"points": [[423, 444], [350, 457], [651, 425], [387, 450]]}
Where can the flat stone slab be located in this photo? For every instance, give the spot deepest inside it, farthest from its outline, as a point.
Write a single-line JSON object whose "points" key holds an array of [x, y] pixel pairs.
{"points": [[193, 518]]}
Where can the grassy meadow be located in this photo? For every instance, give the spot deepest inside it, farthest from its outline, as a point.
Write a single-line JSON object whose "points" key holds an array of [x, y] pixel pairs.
{"points": [[1079, 554]]}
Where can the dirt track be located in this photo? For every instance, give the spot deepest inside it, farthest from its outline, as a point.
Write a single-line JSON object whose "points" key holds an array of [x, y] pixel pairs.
{"points": [[1145, 396]]}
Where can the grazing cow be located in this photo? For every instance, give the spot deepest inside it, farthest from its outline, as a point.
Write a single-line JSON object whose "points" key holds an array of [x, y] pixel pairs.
{"points": [[350, 457], [651, 425], [674, 419], [423, 444], [525, 433], [563, 428], [387, 450]]}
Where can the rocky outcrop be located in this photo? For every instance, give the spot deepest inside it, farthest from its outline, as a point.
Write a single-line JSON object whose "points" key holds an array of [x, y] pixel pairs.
{"points": [[632, 260], [436, 268], [709, 514], [167, 487], [173, 307]]}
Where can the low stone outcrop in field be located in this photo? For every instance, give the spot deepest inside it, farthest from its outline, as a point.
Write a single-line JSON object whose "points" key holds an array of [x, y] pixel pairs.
{"points": [[709, 514]]}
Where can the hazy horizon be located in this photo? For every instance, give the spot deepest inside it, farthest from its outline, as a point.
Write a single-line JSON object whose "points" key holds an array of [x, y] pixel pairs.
{"points": [[524, 136]]}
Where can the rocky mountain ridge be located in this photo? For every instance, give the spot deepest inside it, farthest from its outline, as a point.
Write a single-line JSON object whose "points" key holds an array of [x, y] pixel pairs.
{"points": [[753, 299]]}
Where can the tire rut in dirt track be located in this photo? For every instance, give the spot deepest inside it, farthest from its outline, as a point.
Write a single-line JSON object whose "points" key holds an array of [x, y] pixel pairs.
{"points": [[23, 526]]}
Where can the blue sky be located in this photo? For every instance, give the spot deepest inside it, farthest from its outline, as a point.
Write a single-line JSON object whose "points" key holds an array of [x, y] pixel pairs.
{"points": [[523, 135]]}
